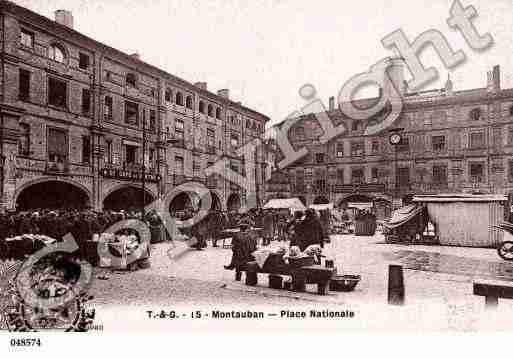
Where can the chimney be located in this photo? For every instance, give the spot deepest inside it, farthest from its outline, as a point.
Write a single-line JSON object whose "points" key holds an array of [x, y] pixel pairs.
{"points": [[64, 17], [332, 103], [136, 55], [201, 85], [225, 93], [493, 79]]}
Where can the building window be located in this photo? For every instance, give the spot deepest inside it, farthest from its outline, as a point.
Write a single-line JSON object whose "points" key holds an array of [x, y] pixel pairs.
{"points": [[179, 129], [234, 140], [319, 157], [131, 80], [196, 166], [510, 170], [403, 177], [375, 146], [27, 38], [357, 176], [356, 126], [153, 120], [475, 114], [179, 165], [86, 101], [340, 150], [57, 92], [131, 113], [83, 61], [130, 155], [210, 110], [56, 53], [374, 175], [299, 132], [248, 123], [24, 140], [340, 175], [477, 140], [57, 144], [188, 102], [357, 148], [511, 110], [438, 143], [24, 85], [218, 113], [108, 152], [168, 94], [440, 174], [202, 107], [151, 158], [86, 149], [211, 139], [476, 171], [107, 111], [179, 99]]}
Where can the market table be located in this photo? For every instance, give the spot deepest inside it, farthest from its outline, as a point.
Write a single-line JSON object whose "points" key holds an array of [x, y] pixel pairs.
{"points": [[301, 275]]}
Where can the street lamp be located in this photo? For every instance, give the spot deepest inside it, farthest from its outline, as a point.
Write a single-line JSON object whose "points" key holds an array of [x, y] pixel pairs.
{"points": [[396, 139]]}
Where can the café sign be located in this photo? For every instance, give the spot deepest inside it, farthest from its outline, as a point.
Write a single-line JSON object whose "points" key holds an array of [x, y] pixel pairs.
{"points": [[123, 174]]}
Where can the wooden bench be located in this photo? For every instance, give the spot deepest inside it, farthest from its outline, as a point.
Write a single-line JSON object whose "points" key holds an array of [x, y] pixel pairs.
{"points": [[301, 276], [492, 291]]}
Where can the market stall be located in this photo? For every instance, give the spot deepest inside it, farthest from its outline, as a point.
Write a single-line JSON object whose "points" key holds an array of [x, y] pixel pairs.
{"points": [[291, 204], [465, 219]]}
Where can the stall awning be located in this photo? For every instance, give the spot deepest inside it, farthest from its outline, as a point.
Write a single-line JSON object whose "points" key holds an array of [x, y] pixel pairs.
{"points": [[294, 204], [460, 197], [403, 215]]}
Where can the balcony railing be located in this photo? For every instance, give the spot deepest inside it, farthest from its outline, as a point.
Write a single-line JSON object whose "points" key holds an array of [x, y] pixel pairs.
{"points": [[60, 167], [359, 187]]}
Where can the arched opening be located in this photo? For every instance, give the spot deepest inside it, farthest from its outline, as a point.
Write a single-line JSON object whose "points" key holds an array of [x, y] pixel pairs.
{"points": [[202, 107], [183, 201], [321, 200], [218, 113], [188, 102], [233, 204], [215, 202], [210, 111], [179, 99], [127, 198], [52, 195]]}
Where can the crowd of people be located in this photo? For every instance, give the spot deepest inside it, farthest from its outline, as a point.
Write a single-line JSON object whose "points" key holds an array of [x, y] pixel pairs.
{"points": [[301, 228]]}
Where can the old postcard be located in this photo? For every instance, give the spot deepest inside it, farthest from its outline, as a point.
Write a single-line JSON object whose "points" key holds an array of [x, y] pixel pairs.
{"points": [[235, 166]]}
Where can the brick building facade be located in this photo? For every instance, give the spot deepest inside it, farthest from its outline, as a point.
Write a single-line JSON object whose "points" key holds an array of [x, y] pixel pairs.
{"points": [[73, 112], [454, 141]]}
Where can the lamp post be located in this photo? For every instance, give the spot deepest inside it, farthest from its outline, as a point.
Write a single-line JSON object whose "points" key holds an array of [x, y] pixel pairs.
{"points": [[143, 167], [395, 138]]}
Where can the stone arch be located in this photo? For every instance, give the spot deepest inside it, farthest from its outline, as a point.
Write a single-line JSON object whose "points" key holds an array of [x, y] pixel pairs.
{"points": [[132, 196], [40, 181], [233, 203]]}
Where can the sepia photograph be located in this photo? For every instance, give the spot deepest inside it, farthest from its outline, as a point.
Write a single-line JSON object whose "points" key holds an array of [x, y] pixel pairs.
{"points": [[233, 166]]}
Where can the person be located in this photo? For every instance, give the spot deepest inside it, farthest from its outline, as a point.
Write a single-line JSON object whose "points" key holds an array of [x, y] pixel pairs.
{"points": [[243, 245], [268, 227], [292, 227], [309, 231]]}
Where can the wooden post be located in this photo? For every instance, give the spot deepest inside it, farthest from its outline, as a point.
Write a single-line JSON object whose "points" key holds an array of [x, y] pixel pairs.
{"points": [[395, 285]]}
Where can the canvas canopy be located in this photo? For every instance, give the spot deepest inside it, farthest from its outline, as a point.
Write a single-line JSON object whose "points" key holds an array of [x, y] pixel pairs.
{"points": [[402, 215], [294, 204]]}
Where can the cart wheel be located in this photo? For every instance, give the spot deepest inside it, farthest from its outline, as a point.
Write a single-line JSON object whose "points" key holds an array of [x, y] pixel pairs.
{"points": [[505, 250]]}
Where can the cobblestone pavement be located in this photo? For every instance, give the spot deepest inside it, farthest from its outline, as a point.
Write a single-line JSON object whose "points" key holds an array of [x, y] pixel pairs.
{"points": [[438, 283]]}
